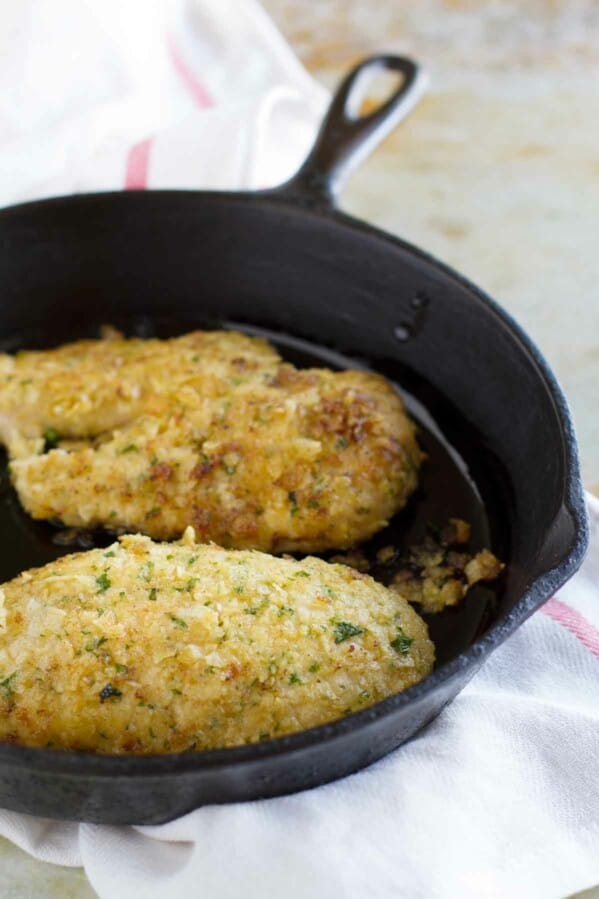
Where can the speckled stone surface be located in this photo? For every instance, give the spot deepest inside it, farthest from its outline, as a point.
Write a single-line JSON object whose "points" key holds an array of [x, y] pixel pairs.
{"points": [[497, 170], [497, 173], [22, 877]]}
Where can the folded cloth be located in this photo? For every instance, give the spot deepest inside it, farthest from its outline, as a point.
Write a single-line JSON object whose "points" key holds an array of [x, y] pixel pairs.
{"points": [[100, 95], [499, 796]]}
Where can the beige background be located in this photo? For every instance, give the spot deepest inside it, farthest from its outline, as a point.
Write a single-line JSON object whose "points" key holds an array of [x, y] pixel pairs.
{"points": [[497, 173]]}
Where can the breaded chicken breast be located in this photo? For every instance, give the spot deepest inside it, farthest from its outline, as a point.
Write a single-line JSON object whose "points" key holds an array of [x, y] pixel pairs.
{"points": [[151, 648], [211, 429]]}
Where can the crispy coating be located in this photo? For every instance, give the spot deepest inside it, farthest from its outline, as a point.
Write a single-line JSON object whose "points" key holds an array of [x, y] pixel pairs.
{"points": [[152, 648], [212, 430]]}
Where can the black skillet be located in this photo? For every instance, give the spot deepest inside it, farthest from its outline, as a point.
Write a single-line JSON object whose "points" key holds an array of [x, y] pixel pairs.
{"points": [[328, 290]]}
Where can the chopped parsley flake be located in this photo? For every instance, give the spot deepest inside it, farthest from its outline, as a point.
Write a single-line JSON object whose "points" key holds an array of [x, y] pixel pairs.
{"points": [[302, 574], [178, 621], [153, 594], [402, 642], [314, 667], [130, 448], [342, 443], [103, 582], [344, 630], [145, 572], [293, 500], [294, 679], [95, 644], [253, 610], [6, 685], [51, 438], [109, 554]]}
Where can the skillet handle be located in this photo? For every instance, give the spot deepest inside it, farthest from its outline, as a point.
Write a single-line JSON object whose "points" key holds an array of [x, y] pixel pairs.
{"points": [[345, 137]]}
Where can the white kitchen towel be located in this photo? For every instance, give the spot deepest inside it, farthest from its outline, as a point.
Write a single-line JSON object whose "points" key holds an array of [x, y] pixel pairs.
{"points": [[500, 795], [101, 95]]}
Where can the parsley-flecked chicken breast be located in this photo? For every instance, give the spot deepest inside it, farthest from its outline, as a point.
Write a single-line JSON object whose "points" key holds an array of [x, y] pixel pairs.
{"points": [[212, 430], [151, 648]]}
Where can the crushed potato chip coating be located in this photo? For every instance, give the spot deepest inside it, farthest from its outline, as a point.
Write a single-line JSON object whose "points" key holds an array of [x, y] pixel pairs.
{"points": [[152, 648], [211, 430]]}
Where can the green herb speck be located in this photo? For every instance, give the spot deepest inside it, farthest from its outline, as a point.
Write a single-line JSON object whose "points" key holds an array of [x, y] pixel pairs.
{"points": [[95, 644], [103, 581], [6, 685], [178, 621], [344, 630], [402, 642], [51, 438], [130, 448], [145, 572]]}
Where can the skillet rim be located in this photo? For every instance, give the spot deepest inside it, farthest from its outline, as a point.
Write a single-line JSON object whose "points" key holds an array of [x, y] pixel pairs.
{"points": [[71, 763]]}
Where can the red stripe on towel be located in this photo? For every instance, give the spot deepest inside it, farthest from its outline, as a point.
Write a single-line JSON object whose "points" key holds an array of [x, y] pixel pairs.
{"points": [[195, 87], [138, 163], [574, 622], [138, 158]]}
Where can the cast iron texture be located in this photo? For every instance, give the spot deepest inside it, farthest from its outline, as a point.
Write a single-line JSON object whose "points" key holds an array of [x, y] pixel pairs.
{"points": [[288, 261]]}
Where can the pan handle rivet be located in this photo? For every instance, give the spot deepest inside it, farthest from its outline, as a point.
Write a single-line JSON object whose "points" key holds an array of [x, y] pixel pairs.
{"points": [[402, 332]]}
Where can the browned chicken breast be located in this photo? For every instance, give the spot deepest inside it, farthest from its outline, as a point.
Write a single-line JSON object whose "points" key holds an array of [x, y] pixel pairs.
{"points": [[211, 429], [145, 647]]}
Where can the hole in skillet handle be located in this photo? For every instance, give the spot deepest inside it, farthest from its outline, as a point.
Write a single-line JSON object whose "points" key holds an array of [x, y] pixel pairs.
{"points": [[345, 137]]}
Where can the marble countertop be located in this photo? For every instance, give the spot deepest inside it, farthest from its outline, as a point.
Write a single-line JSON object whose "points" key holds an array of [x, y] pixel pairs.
{"points": [[497, 170], [496, 173]]}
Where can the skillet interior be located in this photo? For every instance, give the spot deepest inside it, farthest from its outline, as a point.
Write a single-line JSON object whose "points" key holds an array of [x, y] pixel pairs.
{"points": [[168, 260], [455, 482]]}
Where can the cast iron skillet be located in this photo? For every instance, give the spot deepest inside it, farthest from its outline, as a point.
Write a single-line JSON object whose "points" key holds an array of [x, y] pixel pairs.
{"points": [[329, 290]]}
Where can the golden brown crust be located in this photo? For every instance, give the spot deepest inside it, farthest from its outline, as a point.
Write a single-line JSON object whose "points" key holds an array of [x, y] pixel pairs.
{"points": [[146, 647], [213, 430]]}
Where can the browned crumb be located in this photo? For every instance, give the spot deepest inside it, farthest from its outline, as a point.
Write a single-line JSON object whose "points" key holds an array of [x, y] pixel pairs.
{"points": [[355, 558], [435, 576]]}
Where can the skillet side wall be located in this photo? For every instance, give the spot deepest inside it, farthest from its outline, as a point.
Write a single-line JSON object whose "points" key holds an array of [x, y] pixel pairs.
{"points": [[162, 796], [67, 263]]}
